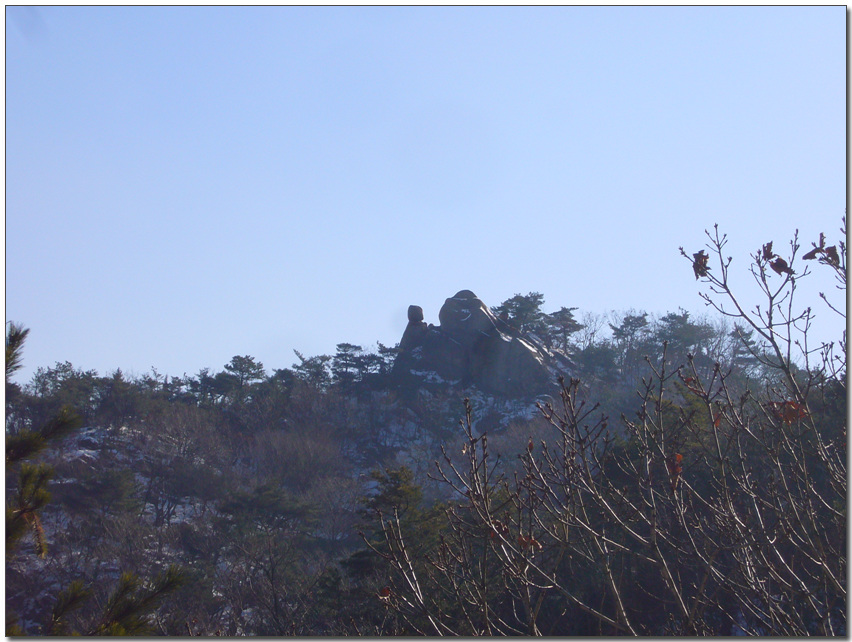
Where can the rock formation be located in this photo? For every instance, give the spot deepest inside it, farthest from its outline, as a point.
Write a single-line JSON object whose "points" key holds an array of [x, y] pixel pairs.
{"points": [[415, 330], [472, 346]]}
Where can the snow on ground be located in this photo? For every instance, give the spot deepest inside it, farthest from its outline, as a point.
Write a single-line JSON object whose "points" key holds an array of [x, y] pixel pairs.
{"points": [[433, 377]]}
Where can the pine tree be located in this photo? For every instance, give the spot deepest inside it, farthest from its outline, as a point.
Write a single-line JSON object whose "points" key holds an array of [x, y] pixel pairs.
{"points": [[561, 324], [245, 370], [128, 607], [523, 312], [25, 501], [131, 602], [346, 367], [313, 370]]}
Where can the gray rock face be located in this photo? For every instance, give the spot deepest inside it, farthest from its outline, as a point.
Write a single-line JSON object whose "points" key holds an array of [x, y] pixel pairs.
{"points": [[472, 346]]}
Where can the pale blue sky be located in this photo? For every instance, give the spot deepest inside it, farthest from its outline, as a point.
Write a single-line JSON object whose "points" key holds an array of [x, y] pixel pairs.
{"points": [[188, 184]]}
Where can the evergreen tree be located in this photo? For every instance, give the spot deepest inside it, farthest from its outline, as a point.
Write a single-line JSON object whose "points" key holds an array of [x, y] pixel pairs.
{"points": [[631, 340], [630, 332], [24, 502], [397, 492], [561, 325], [60, 386], [118, 400], [131, 602], [203, 387], [523, 312], [387, 356], [313, 370], [347, 365], [745, 351], [682, 337], [128, 606], [245, 370]]}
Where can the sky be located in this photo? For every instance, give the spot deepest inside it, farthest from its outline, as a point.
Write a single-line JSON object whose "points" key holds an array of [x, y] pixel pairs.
{"points": [[187, 184]]}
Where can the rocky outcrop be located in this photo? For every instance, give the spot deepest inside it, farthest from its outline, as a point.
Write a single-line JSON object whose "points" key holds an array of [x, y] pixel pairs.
{"points": [[416, 329], [472, 346]]}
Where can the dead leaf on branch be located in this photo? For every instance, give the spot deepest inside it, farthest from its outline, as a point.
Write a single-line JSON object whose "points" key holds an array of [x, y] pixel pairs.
{"points": [[674, 465], [780, 266], [699, 264], [788, 412]]}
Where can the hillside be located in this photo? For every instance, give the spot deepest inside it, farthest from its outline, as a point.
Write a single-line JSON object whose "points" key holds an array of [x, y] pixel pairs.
{"points": [[352, 493]]}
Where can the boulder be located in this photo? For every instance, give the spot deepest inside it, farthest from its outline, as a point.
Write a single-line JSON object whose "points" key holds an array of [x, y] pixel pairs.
{"points": [[415, 314], [415, 330], [472, 346]]}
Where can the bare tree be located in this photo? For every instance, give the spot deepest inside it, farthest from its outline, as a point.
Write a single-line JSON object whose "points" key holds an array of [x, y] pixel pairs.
{"points": [[719, 508]]}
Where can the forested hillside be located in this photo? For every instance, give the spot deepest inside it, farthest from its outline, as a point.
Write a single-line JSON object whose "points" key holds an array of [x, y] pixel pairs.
{"points": [[680, 475]]}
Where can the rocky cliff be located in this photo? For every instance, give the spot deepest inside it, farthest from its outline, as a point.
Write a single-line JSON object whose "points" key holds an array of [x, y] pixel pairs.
{"points": [[472, 346]]}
